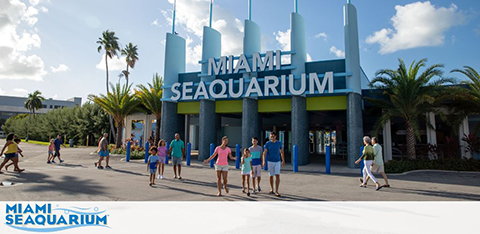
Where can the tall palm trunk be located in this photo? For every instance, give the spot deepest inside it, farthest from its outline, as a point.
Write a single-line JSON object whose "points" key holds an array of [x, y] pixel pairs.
{"points": [[157, 130], [410, 140], [126, 75], [119, 135], [112, 128]]}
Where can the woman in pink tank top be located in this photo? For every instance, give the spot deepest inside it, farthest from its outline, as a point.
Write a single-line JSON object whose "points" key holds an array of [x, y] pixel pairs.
{"points": [[221, 165]]}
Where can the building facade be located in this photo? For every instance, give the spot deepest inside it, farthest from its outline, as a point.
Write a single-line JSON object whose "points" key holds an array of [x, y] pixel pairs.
{"points": [[309, 104], [12, 106]]}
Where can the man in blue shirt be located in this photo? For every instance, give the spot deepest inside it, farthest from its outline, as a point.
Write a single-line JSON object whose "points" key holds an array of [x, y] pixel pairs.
{"points": [[58, 142], [273, 154]]}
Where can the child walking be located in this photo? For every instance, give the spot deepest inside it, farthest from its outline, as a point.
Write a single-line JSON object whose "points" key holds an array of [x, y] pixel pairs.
{"points": [[152, 164], [246, 170], [19, 151], [51, 147], [162, 154]]}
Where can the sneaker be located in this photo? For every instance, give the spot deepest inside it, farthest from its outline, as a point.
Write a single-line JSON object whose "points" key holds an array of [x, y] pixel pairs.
{"points": [[248, 194], [254, 191], [100, 167], [49, 162], [61, 161], [108, 167], [259, 189], [161, 177], [53, 161]]}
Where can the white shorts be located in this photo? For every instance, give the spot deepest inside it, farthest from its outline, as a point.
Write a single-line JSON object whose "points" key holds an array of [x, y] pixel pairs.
{"points": [[257, 171], [378, 168], [246, 172], [221, 168], [274, 168]]}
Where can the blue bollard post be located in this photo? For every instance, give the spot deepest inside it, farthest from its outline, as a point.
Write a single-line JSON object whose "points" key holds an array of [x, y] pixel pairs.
{"points": [[265, 168], [212, 149], [189, 152], [129, 144], [295, 158], [147, 146], [327, 160], [168, 148], [237, 154], [362, 164]]}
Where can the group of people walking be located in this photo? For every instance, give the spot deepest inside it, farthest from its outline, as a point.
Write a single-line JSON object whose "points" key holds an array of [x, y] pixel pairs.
{"points": [[253, 160], [373, 163]]}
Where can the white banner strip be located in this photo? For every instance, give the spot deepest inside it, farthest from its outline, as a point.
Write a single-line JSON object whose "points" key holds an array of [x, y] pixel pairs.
{"points": [[239, 217]]}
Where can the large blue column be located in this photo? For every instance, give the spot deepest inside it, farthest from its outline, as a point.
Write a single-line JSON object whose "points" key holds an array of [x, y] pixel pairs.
{"points": [[211, 48], [250, 117], [174, 65], [299, 103], [354, 99]]}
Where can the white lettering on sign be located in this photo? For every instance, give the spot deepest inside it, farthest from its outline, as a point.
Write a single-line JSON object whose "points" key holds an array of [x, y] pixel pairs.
{"points": [[269, 86]]}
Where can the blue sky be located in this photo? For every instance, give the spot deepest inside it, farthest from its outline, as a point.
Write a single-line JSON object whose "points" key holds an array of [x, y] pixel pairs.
{"points": [[50, 45]]}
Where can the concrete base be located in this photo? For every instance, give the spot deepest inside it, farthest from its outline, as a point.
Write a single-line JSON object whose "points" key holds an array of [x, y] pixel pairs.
{"points": [[170, 121], [300, 128], [354, 127], [207, 128], [250, 122]]}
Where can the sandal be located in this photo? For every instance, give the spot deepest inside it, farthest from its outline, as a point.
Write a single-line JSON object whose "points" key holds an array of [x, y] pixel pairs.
{"points": [[386, 186], [379, 187], [363, 186], [278, 194], [271, 192]]}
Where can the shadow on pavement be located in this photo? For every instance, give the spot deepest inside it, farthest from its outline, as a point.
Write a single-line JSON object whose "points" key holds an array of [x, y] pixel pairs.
{"points": [[466, 196], [455, 178], [66, 184]]}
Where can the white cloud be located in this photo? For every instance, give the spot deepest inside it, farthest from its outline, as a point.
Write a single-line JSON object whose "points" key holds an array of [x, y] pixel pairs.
{"points": [[2, 92], [193, 15], [337, 52], [322, 35], [283, 41], [155, 22], [60, 68], [15, 63], [34, 2], [44, 9], [114, 64], [20, 92], [415, 25]]}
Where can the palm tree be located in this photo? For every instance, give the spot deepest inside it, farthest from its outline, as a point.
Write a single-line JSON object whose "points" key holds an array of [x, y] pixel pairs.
{"points": [[467, 101], [151, 98], [33, 103], [409, 95], [119, 103], [131, 58], [109, 43]]}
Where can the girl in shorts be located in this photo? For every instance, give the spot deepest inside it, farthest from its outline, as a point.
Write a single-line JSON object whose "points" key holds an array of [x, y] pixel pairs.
{"points": [[10, 148], [51, 147], [19, 151], [246, 170], [162, 154], [221, 166]]}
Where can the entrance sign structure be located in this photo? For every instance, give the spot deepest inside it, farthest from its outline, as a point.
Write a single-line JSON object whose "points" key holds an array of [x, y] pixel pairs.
{"points": [[254, 81]]}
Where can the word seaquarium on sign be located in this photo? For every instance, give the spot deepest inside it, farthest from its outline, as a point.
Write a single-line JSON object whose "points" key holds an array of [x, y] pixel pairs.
{"points": [[268, 86]]}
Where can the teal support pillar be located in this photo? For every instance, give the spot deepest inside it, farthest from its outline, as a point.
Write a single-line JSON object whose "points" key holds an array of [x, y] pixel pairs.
{"points": [[175, 62], [354, 99], [299, 103]]}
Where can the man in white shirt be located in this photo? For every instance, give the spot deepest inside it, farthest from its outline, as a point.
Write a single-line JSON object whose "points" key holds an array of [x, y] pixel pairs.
{"points": [[378, 166]]}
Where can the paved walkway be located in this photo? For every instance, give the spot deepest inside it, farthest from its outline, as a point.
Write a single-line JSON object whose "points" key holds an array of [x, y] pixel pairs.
{"points": [[78, 180]]}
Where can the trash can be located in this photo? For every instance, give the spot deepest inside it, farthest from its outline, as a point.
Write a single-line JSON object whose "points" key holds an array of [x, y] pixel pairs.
{"points": [[71, 143]]}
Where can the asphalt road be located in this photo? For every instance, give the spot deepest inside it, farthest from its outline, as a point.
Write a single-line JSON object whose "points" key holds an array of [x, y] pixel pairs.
{"points": [[77, 179]]}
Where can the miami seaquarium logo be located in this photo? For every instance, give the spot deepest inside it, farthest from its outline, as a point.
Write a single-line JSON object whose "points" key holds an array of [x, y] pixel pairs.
{"points": [[48, 218]]}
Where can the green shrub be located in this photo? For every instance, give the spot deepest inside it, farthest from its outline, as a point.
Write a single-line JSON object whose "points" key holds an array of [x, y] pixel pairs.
{"points": [[449, 164]]}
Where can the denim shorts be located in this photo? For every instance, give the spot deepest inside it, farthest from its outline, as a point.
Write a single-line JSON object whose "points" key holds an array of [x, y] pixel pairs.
{"points": [[10, 156]]}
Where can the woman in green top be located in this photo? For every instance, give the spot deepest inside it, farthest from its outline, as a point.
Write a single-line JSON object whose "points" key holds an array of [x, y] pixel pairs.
{"points": [[368, 156]]}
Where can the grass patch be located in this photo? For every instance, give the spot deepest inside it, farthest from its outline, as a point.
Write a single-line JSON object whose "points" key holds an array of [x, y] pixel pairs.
{"points": [[36, 142]]}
